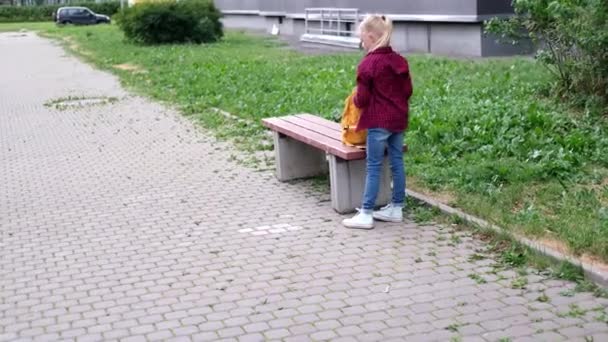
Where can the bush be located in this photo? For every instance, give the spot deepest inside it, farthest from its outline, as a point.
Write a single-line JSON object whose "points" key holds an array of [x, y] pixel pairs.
{"points": [[13, 14], [572, 36], [195, 21]]}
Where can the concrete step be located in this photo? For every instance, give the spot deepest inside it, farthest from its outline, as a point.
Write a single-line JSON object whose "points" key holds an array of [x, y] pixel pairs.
{"points": [[341, 41], [322, 48]]}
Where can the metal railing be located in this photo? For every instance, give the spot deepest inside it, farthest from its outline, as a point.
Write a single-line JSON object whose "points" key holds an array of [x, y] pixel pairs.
{"points": [[331, 21]]}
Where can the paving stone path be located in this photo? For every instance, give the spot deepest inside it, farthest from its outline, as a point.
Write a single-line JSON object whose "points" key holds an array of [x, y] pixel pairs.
{"points": [[124, 221]]}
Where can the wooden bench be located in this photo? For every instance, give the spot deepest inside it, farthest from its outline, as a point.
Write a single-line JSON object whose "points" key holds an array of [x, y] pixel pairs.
{"points": [[306, 145]]}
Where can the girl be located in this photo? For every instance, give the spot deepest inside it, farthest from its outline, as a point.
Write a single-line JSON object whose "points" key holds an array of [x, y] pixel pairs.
{"points": [[384, 87]]}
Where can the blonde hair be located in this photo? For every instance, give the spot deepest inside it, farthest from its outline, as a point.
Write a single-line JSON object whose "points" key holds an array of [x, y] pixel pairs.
{"points": [[380, 26]]}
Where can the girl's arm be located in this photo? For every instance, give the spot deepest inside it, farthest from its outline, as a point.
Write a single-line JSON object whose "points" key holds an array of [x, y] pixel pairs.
{"points": [[363, 95], [409, 87]]}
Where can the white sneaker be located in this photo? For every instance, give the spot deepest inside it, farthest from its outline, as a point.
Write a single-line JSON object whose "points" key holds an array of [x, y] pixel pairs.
{"points": [[389, 213], [360, 221]]}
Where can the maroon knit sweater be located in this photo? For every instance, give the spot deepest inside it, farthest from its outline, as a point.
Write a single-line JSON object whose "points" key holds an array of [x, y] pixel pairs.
{"points": [[384, 87]]}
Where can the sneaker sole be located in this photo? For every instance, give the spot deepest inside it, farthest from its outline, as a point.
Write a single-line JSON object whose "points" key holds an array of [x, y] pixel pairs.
{"points": [[358, 226], [387, 219]]}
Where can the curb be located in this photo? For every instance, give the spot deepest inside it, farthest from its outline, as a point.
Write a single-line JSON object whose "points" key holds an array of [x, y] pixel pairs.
{"points": [[592, 271]]}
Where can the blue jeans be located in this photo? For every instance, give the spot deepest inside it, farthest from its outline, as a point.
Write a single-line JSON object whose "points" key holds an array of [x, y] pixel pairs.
{"points": [[378, 140]]}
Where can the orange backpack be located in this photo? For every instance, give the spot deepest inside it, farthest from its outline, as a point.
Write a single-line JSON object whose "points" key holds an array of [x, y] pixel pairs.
{"points": [[350, 119]]}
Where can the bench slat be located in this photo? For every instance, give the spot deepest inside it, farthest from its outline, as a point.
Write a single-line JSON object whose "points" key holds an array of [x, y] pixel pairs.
{"points": [[320, 141], [316, 131], [320, 121], [327, 123], [315, 127]]}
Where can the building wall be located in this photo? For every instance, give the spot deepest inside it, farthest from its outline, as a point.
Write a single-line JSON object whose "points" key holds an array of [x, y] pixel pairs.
{"points": [[486, 7], [406, 7], [440, 7], [444, 27], [241, 5], [456, 39], [243, 21]]}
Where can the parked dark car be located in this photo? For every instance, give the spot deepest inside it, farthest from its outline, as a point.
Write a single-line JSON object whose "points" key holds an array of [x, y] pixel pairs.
{"points": [[79, 16]]}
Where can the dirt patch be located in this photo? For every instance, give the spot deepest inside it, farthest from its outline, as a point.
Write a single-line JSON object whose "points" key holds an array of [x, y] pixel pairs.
{"points": [[517, 207], [602, 193], [130, 67], [444, 197], [14, 35], [597, 263], [555, 245], [73, 46], [562, 248], [598, 186], [79, 101], [77, 48], [599, 189]]}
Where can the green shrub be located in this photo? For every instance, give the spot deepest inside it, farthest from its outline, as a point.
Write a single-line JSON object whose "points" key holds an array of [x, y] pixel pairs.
{"points": [[195, 21], [13, 14], [572, 36]]}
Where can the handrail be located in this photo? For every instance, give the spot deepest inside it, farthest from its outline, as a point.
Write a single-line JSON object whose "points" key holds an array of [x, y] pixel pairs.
{"points": [[331, 21]]}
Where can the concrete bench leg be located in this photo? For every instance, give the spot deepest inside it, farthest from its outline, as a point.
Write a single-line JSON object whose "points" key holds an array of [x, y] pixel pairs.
{"points": [[347, 180], [296, 160]]}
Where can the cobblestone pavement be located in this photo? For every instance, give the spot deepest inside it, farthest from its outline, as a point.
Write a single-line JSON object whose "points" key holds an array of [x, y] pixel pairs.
{"points": [[123, 221]]}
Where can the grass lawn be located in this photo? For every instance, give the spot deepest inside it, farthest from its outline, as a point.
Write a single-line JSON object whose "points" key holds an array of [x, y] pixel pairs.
{"points": [[484, 134]]}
